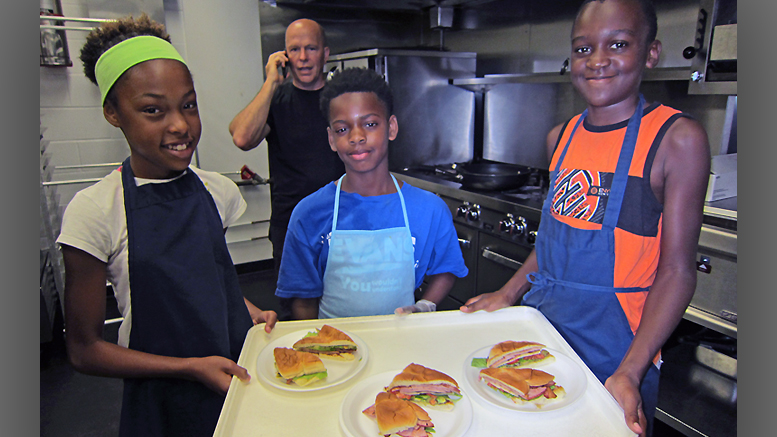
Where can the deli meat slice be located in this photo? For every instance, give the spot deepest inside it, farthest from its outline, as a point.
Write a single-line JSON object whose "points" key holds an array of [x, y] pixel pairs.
{"points": [[534, 352], [370, 411], [418, 431], [425, 388]]}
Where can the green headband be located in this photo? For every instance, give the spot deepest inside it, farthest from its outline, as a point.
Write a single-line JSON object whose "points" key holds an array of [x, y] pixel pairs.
{"points": [[128, 53]]}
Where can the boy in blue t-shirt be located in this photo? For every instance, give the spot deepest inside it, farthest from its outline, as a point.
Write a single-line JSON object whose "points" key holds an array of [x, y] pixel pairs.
{"points": [[361, 245]]}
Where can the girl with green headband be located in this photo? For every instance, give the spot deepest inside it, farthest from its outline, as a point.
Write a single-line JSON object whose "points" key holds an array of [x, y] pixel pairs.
{"points": [[154, 229]]}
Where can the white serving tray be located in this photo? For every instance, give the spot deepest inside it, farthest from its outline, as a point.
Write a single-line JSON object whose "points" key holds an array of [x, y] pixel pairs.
{"points": [[442, 341]]}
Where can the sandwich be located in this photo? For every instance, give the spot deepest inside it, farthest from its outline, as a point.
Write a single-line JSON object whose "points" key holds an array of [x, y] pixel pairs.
{"points": [[399, 417], [426, 387], [328, 342], [301, 368], [523, 385], [518, 354]]}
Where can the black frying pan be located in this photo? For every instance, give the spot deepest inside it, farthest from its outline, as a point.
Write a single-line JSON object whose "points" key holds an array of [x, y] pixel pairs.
{"points": [[491, 176]]}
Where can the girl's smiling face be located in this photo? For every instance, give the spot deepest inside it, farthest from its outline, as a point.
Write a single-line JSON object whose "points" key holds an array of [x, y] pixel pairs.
{"points": [[609, 53], [157, 112]]}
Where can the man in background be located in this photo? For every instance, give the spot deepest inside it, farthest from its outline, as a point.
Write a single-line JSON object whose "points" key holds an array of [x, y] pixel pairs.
{"points": [[287, 114]]}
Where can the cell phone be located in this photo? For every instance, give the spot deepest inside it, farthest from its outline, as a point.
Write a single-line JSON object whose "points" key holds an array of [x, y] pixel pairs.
{"points": [[284, 68]]}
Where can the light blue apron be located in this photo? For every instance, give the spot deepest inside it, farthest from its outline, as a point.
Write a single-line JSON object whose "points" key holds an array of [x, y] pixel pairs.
{"points": [[574, 285], [368, 272]]}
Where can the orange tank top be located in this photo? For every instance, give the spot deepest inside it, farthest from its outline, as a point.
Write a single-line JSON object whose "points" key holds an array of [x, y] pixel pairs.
{"points": [[584, 181]]}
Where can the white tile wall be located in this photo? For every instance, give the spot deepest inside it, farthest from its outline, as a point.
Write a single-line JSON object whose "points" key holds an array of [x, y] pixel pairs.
{"points": [[64, 153], [83, 93], [77, 123], [103, 151], [54, 91]]}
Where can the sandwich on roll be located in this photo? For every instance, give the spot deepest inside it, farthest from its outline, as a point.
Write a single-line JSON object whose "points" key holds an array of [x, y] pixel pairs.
{"points": [[523, 385], [301, 368], [518, 354], [328, 342], [399, 417], [425, 386]]}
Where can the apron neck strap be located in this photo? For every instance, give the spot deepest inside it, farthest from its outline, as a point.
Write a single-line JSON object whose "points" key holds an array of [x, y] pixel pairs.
{"points": [[621, 176], [337, 202]]}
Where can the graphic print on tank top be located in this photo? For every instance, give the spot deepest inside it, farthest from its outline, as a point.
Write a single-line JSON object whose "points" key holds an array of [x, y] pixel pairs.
{"points": [[581, 194]]}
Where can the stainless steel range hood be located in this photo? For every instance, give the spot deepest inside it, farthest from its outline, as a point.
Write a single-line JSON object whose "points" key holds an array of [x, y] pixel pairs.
{"points": [[394, 5]]}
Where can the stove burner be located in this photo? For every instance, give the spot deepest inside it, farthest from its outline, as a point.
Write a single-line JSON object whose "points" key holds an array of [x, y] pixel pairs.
{"points": [[526, 192], [533, 188]]}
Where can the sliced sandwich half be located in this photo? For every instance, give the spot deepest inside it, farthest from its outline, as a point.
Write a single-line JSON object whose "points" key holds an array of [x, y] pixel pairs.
{"points": [[328, 342], [518, 354], [523, 385], [426, 386], [399, 417], [301, 368]]}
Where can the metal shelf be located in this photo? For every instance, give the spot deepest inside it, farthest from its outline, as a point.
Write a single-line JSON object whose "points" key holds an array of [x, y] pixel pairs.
{"points": [[710, 321], [484, 83]]}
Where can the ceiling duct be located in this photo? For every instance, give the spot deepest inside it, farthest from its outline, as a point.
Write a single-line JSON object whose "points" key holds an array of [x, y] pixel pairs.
{"points": [[441, 18]]}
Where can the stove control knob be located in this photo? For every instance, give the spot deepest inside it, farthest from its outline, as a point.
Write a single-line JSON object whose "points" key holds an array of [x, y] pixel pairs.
{"points": [[507, 225], [531, 237], [520, 226], [474, 213], [462, 210]]}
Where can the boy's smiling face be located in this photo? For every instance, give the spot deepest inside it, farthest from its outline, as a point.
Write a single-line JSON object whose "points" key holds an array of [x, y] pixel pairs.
{"points": [[610, 51], [360, 130]]}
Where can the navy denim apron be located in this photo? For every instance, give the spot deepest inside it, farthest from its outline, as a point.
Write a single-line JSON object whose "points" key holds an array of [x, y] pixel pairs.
{"points": [[574, 285], [185, 300]]}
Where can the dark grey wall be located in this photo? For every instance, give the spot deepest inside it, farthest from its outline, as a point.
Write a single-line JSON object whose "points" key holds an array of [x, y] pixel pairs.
{"points": [[347, 29], [533, 36]]}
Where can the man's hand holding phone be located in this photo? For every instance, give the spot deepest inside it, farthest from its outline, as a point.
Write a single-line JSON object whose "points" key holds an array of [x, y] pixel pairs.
{"points": [[276, 67]]}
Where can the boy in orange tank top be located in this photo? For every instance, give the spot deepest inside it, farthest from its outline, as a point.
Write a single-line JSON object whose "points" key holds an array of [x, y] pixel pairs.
{"points": [[613, 42]]}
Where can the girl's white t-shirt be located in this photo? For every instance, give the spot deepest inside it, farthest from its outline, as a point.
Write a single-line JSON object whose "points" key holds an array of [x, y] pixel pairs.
{"points": [[95, 222]]}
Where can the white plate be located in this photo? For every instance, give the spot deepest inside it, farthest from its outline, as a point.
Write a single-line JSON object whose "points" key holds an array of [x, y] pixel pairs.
{"points": [[354, 423], [568, 374], [337, 371]]}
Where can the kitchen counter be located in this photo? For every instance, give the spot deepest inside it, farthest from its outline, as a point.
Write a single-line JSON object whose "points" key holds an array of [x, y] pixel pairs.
{"points": [[444, 341]]}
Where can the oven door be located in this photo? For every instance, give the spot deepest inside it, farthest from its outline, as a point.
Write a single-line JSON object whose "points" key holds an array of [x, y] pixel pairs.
{"points": [[498, 260], [463, 288]]}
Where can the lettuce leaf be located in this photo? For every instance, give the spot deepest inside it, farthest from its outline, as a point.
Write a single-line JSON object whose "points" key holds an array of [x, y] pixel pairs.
{"points": [[440, 399], [479, 362], [319, 375], [311, 334]]}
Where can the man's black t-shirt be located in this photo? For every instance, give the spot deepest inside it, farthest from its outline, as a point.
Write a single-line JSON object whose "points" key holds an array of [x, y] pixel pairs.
{"points": [[300, 158]]}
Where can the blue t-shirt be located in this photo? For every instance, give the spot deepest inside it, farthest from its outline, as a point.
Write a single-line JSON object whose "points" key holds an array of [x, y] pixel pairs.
{"points": [[435, 244]]}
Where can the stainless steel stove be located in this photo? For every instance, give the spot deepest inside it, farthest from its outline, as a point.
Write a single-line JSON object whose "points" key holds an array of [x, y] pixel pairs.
{"points": [[496, 229]]}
